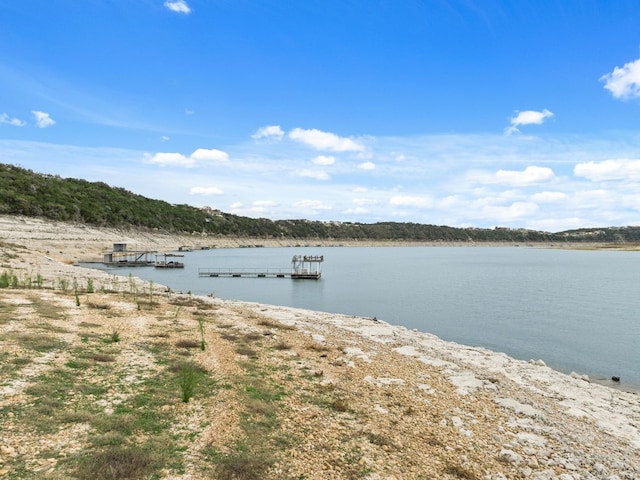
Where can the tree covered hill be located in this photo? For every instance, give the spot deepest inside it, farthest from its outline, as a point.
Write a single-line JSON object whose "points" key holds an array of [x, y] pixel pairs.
{"points": [[24, 192]]}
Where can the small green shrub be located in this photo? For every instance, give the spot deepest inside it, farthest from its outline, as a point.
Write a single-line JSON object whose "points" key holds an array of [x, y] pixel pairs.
{"points": [[201, 325], [188, 380]]}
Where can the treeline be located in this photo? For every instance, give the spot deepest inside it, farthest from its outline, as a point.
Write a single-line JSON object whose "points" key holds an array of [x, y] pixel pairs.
{"points": [[23, 192]]}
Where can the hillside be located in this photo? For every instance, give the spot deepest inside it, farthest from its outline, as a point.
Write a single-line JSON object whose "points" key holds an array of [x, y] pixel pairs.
{"points": [[28, 193]]}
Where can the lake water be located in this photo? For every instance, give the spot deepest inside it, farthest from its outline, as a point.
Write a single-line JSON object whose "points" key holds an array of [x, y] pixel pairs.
{"points": [[576, 310]]}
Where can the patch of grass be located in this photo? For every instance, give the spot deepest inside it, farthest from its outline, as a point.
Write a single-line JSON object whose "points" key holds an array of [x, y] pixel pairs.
{"points": [[48, 327], [259, 447], [7, 311], [244, 463], [39, 343], [50, 395], [118, 462], [76, 416], [47, 309], [21, 361], [78, 364]]}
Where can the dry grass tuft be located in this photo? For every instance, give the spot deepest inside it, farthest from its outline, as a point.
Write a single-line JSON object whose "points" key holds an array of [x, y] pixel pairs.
{"points": [[187, 344]]}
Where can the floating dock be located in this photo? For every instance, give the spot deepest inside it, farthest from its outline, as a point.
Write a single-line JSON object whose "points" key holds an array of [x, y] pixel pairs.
{"points": [[123, 256], [169, 260], [243, 272], [305, 267]]}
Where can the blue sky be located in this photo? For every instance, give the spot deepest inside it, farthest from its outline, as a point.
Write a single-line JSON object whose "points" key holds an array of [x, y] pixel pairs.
{"points": [[451, 112]]}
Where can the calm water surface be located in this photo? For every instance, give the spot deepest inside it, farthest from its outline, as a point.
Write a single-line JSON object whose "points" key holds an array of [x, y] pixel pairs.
{"points": [[576, 310]]}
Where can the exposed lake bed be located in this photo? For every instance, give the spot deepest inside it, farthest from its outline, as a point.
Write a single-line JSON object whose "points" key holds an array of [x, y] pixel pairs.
{"points": [[497, 417]]}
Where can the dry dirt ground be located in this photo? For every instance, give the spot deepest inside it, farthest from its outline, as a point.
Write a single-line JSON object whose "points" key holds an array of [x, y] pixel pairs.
{"points": [[105, 377]]}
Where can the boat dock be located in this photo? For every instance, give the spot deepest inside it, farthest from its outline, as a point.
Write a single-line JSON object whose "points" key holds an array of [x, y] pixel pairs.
{"points": [[169, 260], [243, 272], [302, 267]]}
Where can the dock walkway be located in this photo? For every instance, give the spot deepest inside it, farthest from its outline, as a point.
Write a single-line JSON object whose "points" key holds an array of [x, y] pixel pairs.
{"points": [[243, 272], [302, 267]]}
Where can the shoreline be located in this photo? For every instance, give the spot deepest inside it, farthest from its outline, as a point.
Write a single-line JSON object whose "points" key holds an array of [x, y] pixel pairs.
{"points": [[537, 423]]}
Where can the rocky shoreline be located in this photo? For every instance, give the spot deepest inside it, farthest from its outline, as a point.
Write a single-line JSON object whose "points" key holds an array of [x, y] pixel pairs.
{"points": [[364, 399]]}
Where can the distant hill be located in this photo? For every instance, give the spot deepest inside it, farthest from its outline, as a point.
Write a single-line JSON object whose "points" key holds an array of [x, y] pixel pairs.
{"points": [[24, 192]]}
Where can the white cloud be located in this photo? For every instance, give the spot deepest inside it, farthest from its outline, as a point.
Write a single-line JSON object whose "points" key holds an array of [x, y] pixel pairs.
{"points": [[317, 174], [410, 201], [209, 155], [527, 117], [528, 176], [199, 157], [367, 166], [593, 198], [548, 197], [324, 160], [624, 82], [167, 159], [325, 140], [205, 191], [509, 213], [16, 122], [179, 6], [618, 169], [164, 138], [43, 120], [271, 132]]}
